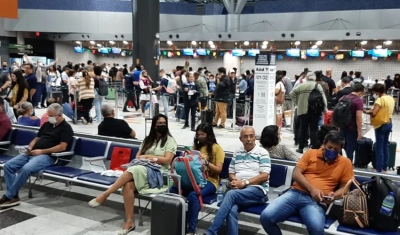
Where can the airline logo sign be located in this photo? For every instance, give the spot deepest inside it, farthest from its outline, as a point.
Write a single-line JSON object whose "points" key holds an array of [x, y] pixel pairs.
{"points": [[9, 9], [265, 69]]}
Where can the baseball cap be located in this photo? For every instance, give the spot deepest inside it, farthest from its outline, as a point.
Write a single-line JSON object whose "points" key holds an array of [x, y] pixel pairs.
{"points": [[232, 71]]}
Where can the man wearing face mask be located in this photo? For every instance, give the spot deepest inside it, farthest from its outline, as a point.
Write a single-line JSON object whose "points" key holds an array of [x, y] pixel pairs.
{"points": [[316, 176], [53, 137], [5, 80]]}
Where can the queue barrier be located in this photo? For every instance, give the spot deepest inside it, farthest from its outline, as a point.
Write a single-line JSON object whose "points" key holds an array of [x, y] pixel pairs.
{"points": [[84, 152]]}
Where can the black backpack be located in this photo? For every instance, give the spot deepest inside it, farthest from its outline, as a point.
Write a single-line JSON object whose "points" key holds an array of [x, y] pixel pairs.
{"points": [[103, 87], [315, 102], [113, 72], [342, 114], [376, 190]]}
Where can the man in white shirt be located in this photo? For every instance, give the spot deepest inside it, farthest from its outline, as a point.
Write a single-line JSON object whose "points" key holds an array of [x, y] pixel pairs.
{"points": [[249, 173]]}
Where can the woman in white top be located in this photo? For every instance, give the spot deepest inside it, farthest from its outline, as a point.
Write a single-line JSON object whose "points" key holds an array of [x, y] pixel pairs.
{"points": [[145, 86], [280, 91], [72, 83]]}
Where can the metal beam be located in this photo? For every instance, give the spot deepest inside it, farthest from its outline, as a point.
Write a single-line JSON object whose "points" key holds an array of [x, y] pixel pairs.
{"points": [[229, 5], [239, 6]]}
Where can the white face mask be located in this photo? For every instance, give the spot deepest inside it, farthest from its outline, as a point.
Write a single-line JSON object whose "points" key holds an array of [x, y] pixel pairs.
{"points": [[40, 64], [52, 120], [375, 96]]}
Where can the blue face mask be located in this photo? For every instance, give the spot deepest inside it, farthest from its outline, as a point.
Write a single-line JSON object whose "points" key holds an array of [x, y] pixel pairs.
{"points": [[331, 155]]}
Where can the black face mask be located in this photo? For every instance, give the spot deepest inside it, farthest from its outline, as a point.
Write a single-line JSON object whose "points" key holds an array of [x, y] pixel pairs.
{"points": [[162, 129], [4, 66]]}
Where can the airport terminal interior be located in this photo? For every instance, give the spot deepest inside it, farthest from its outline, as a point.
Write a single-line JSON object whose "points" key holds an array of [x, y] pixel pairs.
{"points": [[262, 46]]}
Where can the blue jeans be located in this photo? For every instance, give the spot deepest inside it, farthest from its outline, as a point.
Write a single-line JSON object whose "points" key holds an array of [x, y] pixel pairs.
{"points": [[41, 94], [165, 102], [25, 166], [291, 203], [234, 201], [98, 102], [350, 136], [194, 203], [382, 146]]}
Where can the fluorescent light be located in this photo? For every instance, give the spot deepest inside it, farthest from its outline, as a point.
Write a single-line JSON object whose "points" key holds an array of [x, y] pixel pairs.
{"points": [[364, 42], [318, 43], [265, 42], [314, 47], [246, 43], [125, 42], [194, 43], [112, 42], [379, 47], [210, 43], [212, 46], [78, 42], [297, 43], [99, 45], [170, 43], [264, 46], [92, 42], [388, 42]]}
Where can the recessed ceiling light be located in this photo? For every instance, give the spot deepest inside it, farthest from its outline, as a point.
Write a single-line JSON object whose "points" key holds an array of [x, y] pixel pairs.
{"points": [[99, 45], [364, 42], [210, 43], [314, 47], [379, 47], [112, 42], [388, 42], [194, 43], [125, 42], [318, 43], [170, 43], [212, 46], [92, 42], [246, 43], [297, 43], [264, 46], [265, 42], [78, 42]]}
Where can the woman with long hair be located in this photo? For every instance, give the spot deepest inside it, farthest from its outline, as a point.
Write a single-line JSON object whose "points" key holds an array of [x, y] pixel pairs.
{"points": [[86, 95], [270, 140], [214, 155], [19, 91], [145, 86], [159, 147]]}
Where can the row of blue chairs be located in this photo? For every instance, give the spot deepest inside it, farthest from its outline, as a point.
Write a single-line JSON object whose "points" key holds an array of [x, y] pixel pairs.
{"points": [[85, 159]]}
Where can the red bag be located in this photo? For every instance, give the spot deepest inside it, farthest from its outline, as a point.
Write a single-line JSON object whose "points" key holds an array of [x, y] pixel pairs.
{"points": [[328, 117], [120, 156]]}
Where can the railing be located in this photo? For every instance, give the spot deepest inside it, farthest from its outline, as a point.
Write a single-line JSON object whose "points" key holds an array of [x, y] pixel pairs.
{"points": [[182, 148]]}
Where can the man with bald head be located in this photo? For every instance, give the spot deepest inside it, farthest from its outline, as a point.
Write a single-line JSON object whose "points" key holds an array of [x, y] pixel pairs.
{"points": [[331, 83], [248, 173]]}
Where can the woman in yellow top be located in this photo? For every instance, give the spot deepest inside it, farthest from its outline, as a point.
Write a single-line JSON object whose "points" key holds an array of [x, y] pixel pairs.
{"points": [[214, 155], [19, 91], [381, 120]]}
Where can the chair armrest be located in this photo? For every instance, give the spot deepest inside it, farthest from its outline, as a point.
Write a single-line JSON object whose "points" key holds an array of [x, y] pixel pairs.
{"points": [[21, 147], [176, 176], [95, 159], [281, 189], [4, 143], [62, 154]]}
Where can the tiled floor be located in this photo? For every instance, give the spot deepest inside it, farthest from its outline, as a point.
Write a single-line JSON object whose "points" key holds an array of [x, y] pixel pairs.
{"points": [[56, 211]]}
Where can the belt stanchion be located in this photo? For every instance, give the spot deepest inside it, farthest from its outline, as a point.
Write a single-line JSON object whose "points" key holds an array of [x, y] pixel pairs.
{"points": [[75, 106], [116, 102], [247, 111], [234, 115], [290, 128], [151, 108]]}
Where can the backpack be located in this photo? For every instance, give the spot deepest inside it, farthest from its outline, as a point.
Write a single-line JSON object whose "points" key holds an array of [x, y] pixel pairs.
{"points": [[171, 87], [376, 190], [342, 114], [103, 87], [355, 207], [315, 102], [192, 171], [280, 97], [113, 72], [41, 74]]}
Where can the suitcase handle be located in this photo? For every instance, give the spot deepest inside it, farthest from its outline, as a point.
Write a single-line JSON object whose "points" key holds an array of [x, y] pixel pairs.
{"points": [[178, 178]]}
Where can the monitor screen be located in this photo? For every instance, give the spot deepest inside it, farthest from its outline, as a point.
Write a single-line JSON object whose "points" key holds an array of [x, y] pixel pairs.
{"points": [[253, 52], [380, 52], [312, 53], [104, 50], [79, 49], [293, 52], [116, 50], [187, 51], [357, 53], [201, 52], [238, 52]]}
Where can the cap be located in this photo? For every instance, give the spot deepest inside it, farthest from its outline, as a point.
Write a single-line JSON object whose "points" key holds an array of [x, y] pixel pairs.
{"points": [[232, 71]]}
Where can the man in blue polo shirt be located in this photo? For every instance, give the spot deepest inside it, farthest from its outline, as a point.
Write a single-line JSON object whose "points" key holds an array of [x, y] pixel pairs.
{"points": [[163, 91], [138, 91], [130, 88], [31, 79]]}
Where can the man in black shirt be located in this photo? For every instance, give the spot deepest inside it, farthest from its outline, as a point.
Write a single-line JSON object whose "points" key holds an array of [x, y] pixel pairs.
{"points": [[113, 127], [346, 88], [332, 86], [53, 137]]}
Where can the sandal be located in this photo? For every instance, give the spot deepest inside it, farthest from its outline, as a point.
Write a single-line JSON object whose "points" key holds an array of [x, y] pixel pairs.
{"points": [[126, 231], [84, 121], [94, 203]]}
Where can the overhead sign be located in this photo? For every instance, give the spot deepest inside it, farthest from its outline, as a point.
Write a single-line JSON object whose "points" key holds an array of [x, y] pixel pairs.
{"points": [[20, 48], [9, 9], [264, 92]]}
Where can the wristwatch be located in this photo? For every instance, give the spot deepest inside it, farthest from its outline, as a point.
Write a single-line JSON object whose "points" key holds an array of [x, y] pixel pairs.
{"points": [[247, 182]]}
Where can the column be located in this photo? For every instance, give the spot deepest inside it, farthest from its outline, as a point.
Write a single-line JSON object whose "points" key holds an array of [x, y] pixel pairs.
{"points": [[145, 27], [231, 62], [20, 38], [232, 23]]}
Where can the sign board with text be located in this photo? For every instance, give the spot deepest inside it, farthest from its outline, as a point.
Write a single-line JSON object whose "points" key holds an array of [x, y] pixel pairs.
{"points": [[264, 92]]}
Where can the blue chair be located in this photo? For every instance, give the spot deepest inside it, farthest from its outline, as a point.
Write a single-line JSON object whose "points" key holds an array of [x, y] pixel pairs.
{"points": [[4, 145], [17, 138], [224, 175]]}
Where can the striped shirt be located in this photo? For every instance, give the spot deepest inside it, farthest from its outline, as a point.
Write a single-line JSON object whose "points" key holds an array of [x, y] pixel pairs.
{"points": [[246, 165], [85, 92]]}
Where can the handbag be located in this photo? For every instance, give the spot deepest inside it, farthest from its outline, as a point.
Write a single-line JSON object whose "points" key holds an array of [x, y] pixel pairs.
{"points": [[280, 97], [382, 117]]}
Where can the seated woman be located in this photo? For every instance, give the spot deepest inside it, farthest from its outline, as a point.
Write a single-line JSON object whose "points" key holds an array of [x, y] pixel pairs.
{"points": [[205, 142], [270, 138], [159, 147], [25, 117]]}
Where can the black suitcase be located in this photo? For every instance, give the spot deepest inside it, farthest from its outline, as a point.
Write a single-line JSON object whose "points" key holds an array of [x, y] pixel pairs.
{"points": [[168, 215], [363, 154], [180, 112]]}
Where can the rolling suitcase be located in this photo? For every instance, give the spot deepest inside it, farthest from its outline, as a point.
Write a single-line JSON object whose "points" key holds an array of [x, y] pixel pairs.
{"points": [[180, 112], [363, 154], [244, 121], [168, 215], [207, 116]]}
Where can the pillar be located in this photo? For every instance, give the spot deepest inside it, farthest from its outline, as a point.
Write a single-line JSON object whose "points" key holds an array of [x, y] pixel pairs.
{"points": [[20, 38], [146, 25], [232, 23], [231, 62]]}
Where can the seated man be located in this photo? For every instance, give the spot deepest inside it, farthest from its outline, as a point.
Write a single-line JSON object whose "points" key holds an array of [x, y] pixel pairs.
{"points": [[316, 176], [249, 173], [113, 127], [53, 137], [5, 122], [45, 116]]}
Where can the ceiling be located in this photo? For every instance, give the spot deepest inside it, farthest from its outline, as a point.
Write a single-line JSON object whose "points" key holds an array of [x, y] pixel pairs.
{"points": [[224, 45]]}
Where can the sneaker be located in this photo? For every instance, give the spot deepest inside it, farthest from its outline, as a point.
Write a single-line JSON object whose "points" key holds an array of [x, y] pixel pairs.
{"points": [[5, 202], [299, 151], [184, 127]]}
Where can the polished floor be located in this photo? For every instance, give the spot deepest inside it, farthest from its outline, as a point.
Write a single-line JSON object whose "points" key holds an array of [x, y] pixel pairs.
{"points": [[56, 209]]}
